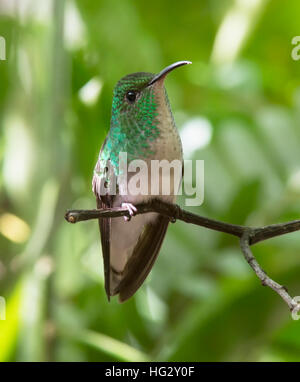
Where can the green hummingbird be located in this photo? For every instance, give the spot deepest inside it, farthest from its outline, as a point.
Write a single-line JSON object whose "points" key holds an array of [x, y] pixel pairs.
{"points": [[143, 127]]}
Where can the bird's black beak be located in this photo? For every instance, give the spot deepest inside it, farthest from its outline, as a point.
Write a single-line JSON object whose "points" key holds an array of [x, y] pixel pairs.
{"points": [[167, 70]]}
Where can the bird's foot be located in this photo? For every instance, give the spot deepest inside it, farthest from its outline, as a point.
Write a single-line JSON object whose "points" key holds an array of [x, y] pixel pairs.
{"points": [[131, 209]]}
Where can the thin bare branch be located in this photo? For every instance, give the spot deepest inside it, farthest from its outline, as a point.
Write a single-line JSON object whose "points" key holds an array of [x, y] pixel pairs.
{"points": [[248, 235], [261, 274]]}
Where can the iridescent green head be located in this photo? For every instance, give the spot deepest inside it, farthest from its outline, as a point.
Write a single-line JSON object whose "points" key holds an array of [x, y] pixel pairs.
{"points": [[136, 95], [130, 92], [138, 101]]}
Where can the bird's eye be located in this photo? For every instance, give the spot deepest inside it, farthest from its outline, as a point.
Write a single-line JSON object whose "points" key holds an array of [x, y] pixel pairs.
{"points": [[131, 96]]}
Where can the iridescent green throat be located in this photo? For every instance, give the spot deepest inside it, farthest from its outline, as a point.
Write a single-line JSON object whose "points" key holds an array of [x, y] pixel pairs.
{"points": [[134, 127]]}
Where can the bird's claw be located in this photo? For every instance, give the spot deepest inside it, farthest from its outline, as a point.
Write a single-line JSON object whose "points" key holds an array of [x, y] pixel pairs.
{"points": [[131, 209]]}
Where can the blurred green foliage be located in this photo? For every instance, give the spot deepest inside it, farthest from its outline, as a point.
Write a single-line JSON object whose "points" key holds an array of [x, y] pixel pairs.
{"points": [[201, 302]]}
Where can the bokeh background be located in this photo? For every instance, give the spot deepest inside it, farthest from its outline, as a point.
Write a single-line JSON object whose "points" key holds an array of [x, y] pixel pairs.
{"points": [[237, 107]]}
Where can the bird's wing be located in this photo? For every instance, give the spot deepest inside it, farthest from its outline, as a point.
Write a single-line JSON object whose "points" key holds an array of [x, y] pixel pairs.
{"points": [[143, 257], [105, 233], [104, 202]]}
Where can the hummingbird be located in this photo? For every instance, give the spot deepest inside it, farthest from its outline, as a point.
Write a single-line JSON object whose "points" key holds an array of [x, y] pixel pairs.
{"points": [[142, 126]]}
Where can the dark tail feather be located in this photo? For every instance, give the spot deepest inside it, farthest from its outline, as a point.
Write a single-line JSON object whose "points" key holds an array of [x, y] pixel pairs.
{"points": [[105, 227], [143, 257]]}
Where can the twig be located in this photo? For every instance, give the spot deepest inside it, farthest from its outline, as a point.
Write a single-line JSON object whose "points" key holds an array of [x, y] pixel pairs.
{"points": [[261, 274], [248, 235]]}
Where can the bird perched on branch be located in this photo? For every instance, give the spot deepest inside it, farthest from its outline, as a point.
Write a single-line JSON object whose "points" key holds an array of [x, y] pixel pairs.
{"points": [[142, 128]]}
